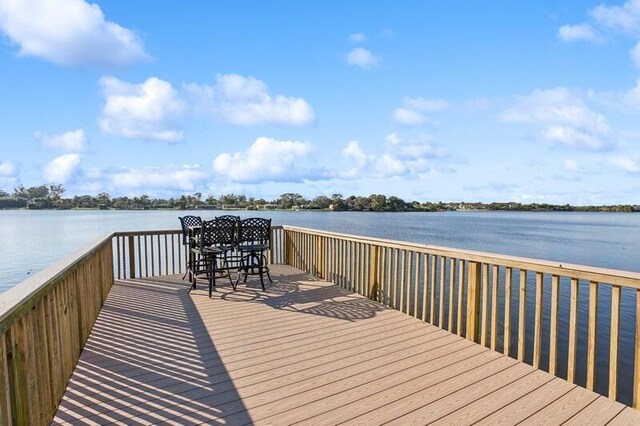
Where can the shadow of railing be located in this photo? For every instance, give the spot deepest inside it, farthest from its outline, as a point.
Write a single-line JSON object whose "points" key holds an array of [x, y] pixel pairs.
{"points": [[150, 360], [300, 292]]}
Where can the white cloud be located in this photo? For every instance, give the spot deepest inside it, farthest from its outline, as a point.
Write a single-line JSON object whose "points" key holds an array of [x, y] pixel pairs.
{"points": [[626, 164], [245, 101], [635, 55], [68, 32], [414, 110], [71, 141], [565, 119], [146, 111], [362, 58], [366, 165], [62, 169], [353, 151], [426, 105], [357, 38], [8, 169], [570, 165], [415, 149], [626, 100], [403, 157], [408, 117], [632, 96], [184, 178], [625, 18], [580, 32], [268, 160]]}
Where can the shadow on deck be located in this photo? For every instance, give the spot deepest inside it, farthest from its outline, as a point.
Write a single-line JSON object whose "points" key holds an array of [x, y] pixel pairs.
{"points": [[304, 351], [149, 360]]}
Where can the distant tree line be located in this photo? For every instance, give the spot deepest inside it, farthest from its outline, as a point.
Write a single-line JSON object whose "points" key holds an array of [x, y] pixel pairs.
{"points": [[51, 197]]}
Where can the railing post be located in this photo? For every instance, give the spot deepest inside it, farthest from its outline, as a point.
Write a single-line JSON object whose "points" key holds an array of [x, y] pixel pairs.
{"points": [[473, 301], [373, 272], [132, 257]]}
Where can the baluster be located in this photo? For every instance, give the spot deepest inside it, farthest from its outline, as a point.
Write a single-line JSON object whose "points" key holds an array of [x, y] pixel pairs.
{"points": [[553, 334], [417, 284], [613, 342], [409, 268], [452, 268], [522, 314], [485, 304], [432, 307], [636, 371], [403, 267], [537, 330], [443, 263], [425, 280], [508, 279], [591, 337], [573, 330], [460, 295], [132, 258], [494, 306]]}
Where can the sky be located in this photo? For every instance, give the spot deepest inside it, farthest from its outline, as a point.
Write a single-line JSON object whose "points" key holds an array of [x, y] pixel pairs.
{"points": [[426, 100]]}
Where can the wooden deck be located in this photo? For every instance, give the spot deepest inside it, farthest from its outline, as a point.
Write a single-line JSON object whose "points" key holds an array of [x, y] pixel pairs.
{"points": [[305, 351]]}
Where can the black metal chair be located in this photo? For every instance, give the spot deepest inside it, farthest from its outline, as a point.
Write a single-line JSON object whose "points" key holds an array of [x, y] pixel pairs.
{"points": [[186, 223], [233, 256], [254, 241], [215, 241]]}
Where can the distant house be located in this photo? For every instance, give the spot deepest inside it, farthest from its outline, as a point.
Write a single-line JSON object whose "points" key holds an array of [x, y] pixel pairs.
{"points": [[268, 206]]}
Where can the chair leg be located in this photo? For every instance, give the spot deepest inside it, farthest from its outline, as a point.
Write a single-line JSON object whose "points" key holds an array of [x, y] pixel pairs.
{"points": [[225, 264], [211, 272], [187, 263], [264, 266]]}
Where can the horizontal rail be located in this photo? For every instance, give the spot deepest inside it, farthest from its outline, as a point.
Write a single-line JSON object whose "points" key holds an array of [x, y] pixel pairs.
{"points": [[562, 318], [44, 323], [592, 273]]}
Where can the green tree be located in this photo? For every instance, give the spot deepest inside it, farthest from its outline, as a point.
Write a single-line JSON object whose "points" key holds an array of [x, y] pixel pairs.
{"points": [[104, 200], [377, 202], [322, 202], [290, 199]]}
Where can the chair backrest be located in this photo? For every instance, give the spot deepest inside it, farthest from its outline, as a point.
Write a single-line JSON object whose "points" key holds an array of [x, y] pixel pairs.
{"points": [[236, 224], [254, 230], [217, 232], [185, 223]]}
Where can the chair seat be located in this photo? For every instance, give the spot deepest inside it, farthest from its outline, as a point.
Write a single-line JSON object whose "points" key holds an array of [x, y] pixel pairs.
{"points": [[213, 250], [253, 247]]}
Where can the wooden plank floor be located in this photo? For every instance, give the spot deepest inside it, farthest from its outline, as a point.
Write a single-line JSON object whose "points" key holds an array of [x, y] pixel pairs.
{"points": [[303, 352]]}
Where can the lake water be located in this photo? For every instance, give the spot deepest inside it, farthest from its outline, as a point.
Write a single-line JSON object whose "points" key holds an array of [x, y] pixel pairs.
{"points": [[32, 240]]}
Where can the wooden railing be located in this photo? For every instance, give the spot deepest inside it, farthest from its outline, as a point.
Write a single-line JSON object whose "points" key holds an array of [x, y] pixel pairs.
{"points": [[141, 254], [577, 322], [562, 318], [44, 323]]}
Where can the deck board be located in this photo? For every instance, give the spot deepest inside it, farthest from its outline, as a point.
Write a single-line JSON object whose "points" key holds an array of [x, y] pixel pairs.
{"points": [[303, 352]]}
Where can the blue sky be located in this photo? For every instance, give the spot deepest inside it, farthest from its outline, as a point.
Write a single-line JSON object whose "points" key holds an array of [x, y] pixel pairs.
{"points": [[429, 101]]}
